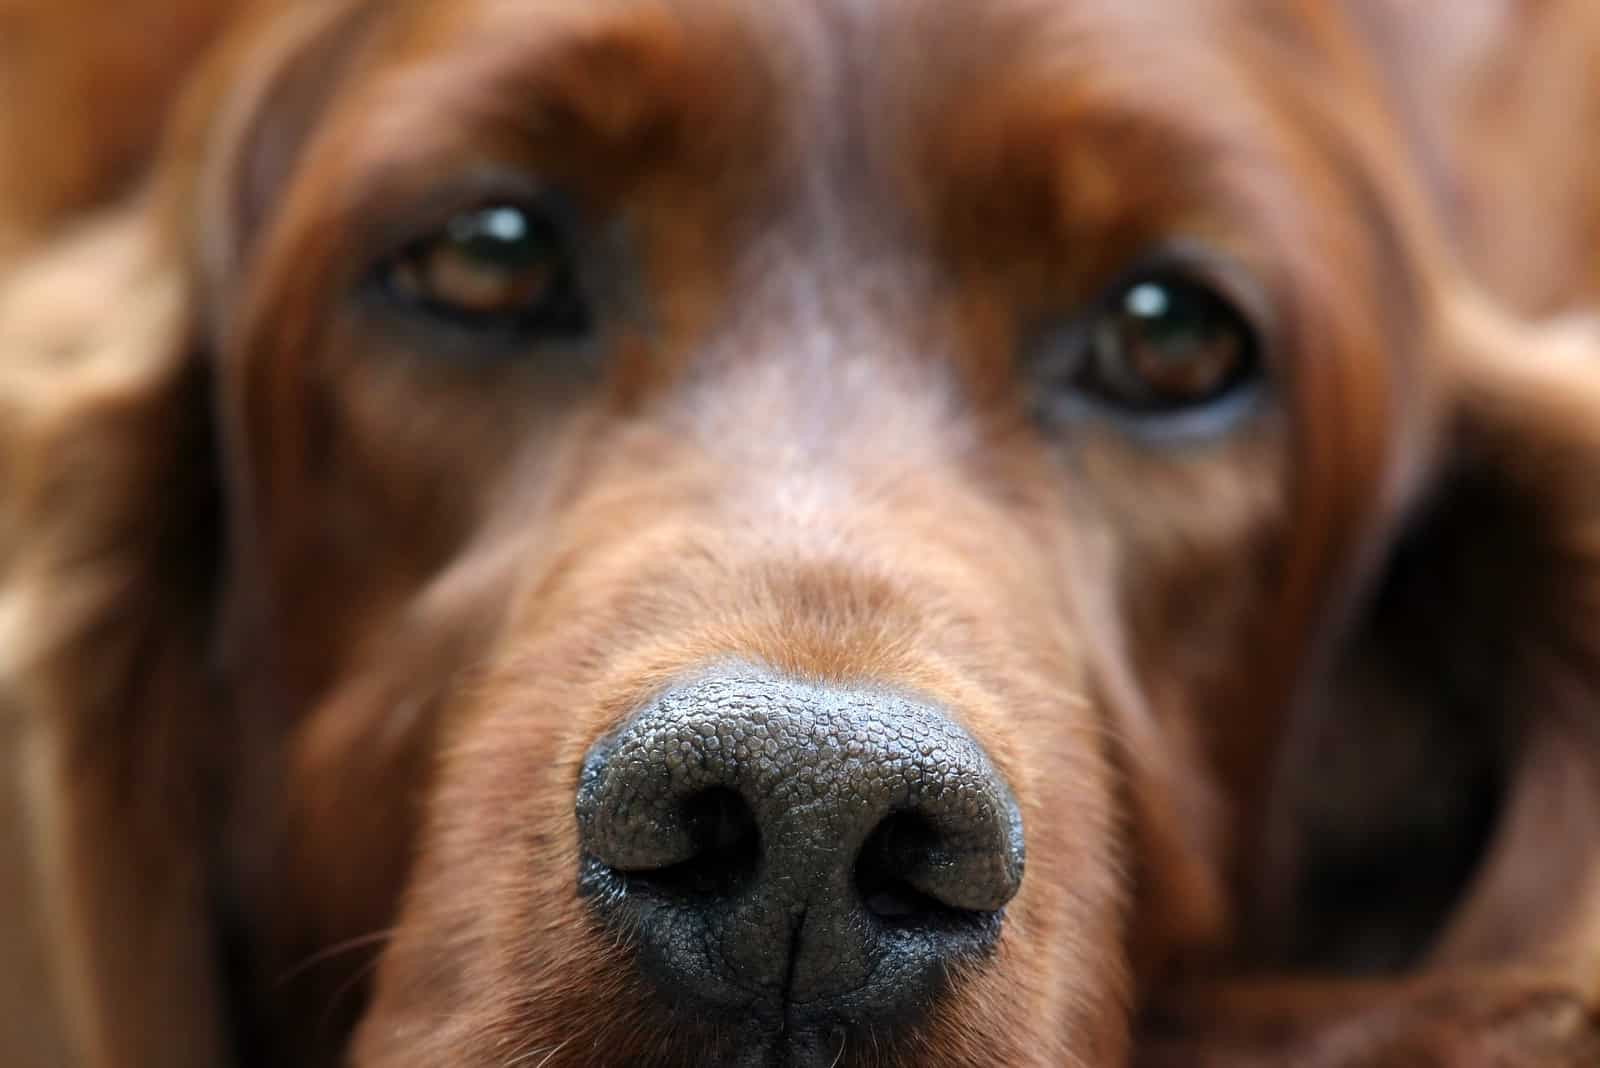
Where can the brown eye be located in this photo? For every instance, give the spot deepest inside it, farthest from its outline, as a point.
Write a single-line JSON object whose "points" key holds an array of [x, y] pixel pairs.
{"points": [[1164, 344], [502, 266]]}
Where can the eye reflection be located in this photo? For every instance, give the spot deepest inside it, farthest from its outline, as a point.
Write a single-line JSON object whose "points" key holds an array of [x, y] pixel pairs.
{"points": [[502, 267], [1167, 343]]}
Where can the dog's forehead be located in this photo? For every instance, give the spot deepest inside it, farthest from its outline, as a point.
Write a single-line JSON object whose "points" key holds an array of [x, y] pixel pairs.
{"points": [[828, 64], [915, 108], [966, 25]]}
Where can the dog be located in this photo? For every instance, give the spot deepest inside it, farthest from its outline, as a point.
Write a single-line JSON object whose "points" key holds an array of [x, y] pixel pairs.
{"points": [[667, 532]]}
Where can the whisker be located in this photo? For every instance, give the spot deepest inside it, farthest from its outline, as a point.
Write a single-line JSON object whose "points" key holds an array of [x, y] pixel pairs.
{"points": [[548, 1051], [345, 988], [338, 949]]}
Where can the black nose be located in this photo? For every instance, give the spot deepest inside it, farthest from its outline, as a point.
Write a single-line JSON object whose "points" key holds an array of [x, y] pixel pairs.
{"points": [[769, 843]]}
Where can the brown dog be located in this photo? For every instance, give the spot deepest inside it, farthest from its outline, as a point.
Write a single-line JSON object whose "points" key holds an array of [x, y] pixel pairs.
{"points": [[678, 532]]}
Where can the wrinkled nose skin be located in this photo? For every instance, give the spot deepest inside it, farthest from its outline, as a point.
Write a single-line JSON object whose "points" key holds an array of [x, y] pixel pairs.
{"points": [[795, 852]]}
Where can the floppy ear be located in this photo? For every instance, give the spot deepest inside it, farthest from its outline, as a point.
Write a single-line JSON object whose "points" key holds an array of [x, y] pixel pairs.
{"points": [[82, 98], [1440, 797], [1529, 432], [273, 81], [1491, 92], [1438, 818], [113, 552], [106, 559]]}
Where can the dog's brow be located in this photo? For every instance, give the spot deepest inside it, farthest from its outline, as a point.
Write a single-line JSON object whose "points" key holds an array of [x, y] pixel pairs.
{"points": [[618, 74]]}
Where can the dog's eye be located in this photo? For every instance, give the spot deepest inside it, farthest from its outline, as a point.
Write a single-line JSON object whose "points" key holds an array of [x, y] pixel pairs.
{"points": [[500, 266], [1165, 343]]}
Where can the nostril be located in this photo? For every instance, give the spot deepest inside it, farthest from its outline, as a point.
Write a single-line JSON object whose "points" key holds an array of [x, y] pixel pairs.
{"points": [[720, 824], [772, 845], [897, 875], [725, 846]]}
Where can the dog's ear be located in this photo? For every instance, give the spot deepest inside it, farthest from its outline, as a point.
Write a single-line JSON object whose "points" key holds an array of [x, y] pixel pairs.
{"points": [[1490, 92], [107, 548], [1440, 794], [113, 552], [274, 80], [1528, 432], [82, 98]]}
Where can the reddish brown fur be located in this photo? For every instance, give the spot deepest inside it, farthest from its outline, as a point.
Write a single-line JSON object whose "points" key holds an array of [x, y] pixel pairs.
{"points": [[316, 628], [83, 98]]}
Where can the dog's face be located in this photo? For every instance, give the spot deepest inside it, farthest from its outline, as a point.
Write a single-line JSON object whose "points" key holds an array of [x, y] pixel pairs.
{"points": [[951, 389]]}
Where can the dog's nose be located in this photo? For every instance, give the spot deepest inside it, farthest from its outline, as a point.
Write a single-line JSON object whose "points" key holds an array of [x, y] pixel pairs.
{"points": [[773, 843]]}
